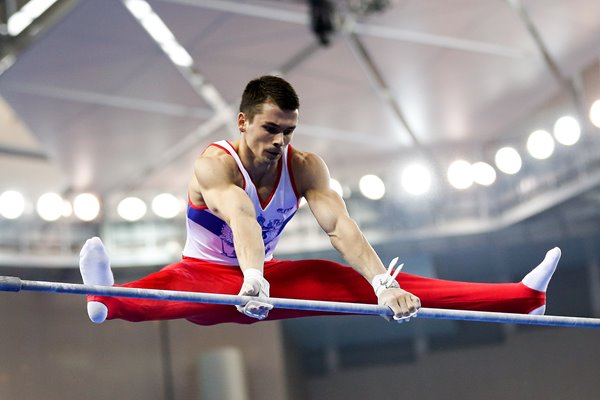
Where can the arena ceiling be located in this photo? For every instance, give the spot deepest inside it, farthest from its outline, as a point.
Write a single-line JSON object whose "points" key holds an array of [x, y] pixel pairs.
{"points": [[92, 103]]}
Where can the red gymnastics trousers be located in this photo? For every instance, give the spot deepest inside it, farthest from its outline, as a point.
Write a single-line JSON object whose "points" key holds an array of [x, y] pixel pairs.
{"points": [[308, 280]]}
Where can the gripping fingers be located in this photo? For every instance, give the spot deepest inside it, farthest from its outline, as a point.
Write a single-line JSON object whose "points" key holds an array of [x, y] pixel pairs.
{"points": [[256, 309], [406, 308]]}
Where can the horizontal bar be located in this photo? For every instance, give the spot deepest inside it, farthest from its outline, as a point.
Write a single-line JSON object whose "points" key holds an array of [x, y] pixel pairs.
{"points": [[14, 284]]}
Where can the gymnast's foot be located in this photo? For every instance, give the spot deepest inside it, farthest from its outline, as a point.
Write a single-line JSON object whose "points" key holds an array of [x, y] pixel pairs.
{"points": [[540, 276], [94, 265]]}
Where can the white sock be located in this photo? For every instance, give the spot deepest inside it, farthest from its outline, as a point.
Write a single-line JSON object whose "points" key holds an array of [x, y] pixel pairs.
{"points": [[94, 265], [541, 310], [540, 276]]}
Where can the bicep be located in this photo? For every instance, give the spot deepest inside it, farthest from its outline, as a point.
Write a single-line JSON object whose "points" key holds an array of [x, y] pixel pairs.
{"points": [[229, 202], [326, 205]]}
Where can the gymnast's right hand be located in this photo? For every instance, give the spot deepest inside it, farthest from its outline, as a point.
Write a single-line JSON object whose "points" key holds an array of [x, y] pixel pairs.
{"points": [[403, 304], [255, 285]]}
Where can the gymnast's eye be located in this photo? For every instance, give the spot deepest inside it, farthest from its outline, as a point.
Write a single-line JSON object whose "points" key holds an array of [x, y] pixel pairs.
{"points": [[274, 129]]}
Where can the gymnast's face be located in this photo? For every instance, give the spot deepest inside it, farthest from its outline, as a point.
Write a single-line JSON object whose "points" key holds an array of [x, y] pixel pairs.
{"points": [[268, 132]]}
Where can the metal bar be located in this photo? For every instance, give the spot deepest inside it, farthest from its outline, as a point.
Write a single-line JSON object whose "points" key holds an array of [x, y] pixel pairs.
{"points": [[23, 153], [13, 284]]}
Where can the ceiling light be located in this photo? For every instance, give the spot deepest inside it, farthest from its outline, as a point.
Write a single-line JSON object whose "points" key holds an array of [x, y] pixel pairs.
{"points": [[139, 8], [17, 23], [540, 145], [508, 160], [86, 207], [460, 174], [157, 28], [26, 15], [372, 187], [595, 113], [165, 205], [416, 179], [567, 131], [50, 206], [178, 54], [160, 32], [483, 173], [12, 204], [131, 209]]}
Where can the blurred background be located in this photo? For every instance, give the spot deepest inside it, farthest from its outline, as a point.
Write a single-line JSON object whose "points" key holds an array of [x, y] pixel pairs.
{"points": [[464, 136]]}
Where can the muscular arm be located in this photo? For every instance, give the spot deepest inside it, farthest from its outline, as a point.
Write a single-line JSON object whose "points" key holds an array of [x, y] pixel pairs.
{"points": [[215, 184], [331, 214], [214, 180]]}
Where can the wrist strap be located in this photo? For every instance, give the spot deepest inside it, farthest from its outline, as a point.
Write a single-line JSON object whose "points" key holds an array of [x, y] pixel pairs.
{"points": [[256, 274], [383, 281], [387, 280], [252, 273]]}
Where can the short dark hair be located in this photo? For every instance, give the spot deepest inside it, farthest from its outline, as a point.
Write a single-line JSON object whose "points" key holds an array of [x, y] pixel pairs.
{"points": [[266, 89]]}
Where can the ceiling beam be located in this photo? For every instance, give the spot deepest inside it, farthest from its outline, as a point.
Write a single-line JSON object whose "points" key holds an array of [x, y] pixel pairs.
{"points": [[12, 47], [566, 83], [199, 83], [22, 153], [402, 35], [125, 103], [386, 94]]}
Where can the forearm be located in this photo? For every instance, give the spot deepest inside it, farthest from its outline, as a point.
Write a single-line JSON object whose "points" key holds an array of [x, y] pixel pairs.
{"points": [[349, 241], [247, 240], [250, 251]]}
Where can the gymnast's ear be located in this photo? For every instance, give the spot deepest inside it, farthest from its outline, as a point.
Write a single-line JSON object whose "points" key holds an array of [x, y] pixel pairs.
{"points": [[242, 121]]}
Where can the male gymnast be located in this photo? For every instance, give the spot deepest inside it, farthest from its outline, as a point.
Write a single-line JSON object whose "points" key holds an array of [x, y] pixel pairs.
{"points": [[240, 197]]}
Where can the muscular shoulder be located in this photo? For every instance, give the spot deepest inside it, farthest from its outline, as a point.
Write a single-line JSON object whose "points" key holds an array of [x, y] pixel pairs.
{"points": [[309, 170], [216, 163], [213, 168]]}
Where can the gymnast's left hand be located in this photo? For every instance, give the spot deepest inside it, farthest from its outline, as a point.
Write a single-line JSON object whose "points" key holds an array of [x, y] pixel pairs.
{"points": [[257, 286], [403, 304]]}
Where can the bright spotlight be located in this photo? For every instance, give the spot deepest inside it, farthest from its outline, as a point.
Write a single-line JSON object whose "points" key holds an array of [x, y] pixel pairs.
{"points": [[12, 204], [416, 179], [131, 208], [86, 207], [460, 174], [139, 8], [508, 160], [540, 145], [595, 113], [372, 187], [165, 205], [567, 131], [483, 173], [50, 207]]}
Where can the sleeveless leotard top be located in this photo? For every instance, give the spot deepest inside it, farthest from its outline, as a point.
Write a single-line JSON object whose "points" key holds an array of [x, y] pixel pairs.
{"points": [[210, 238]]}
